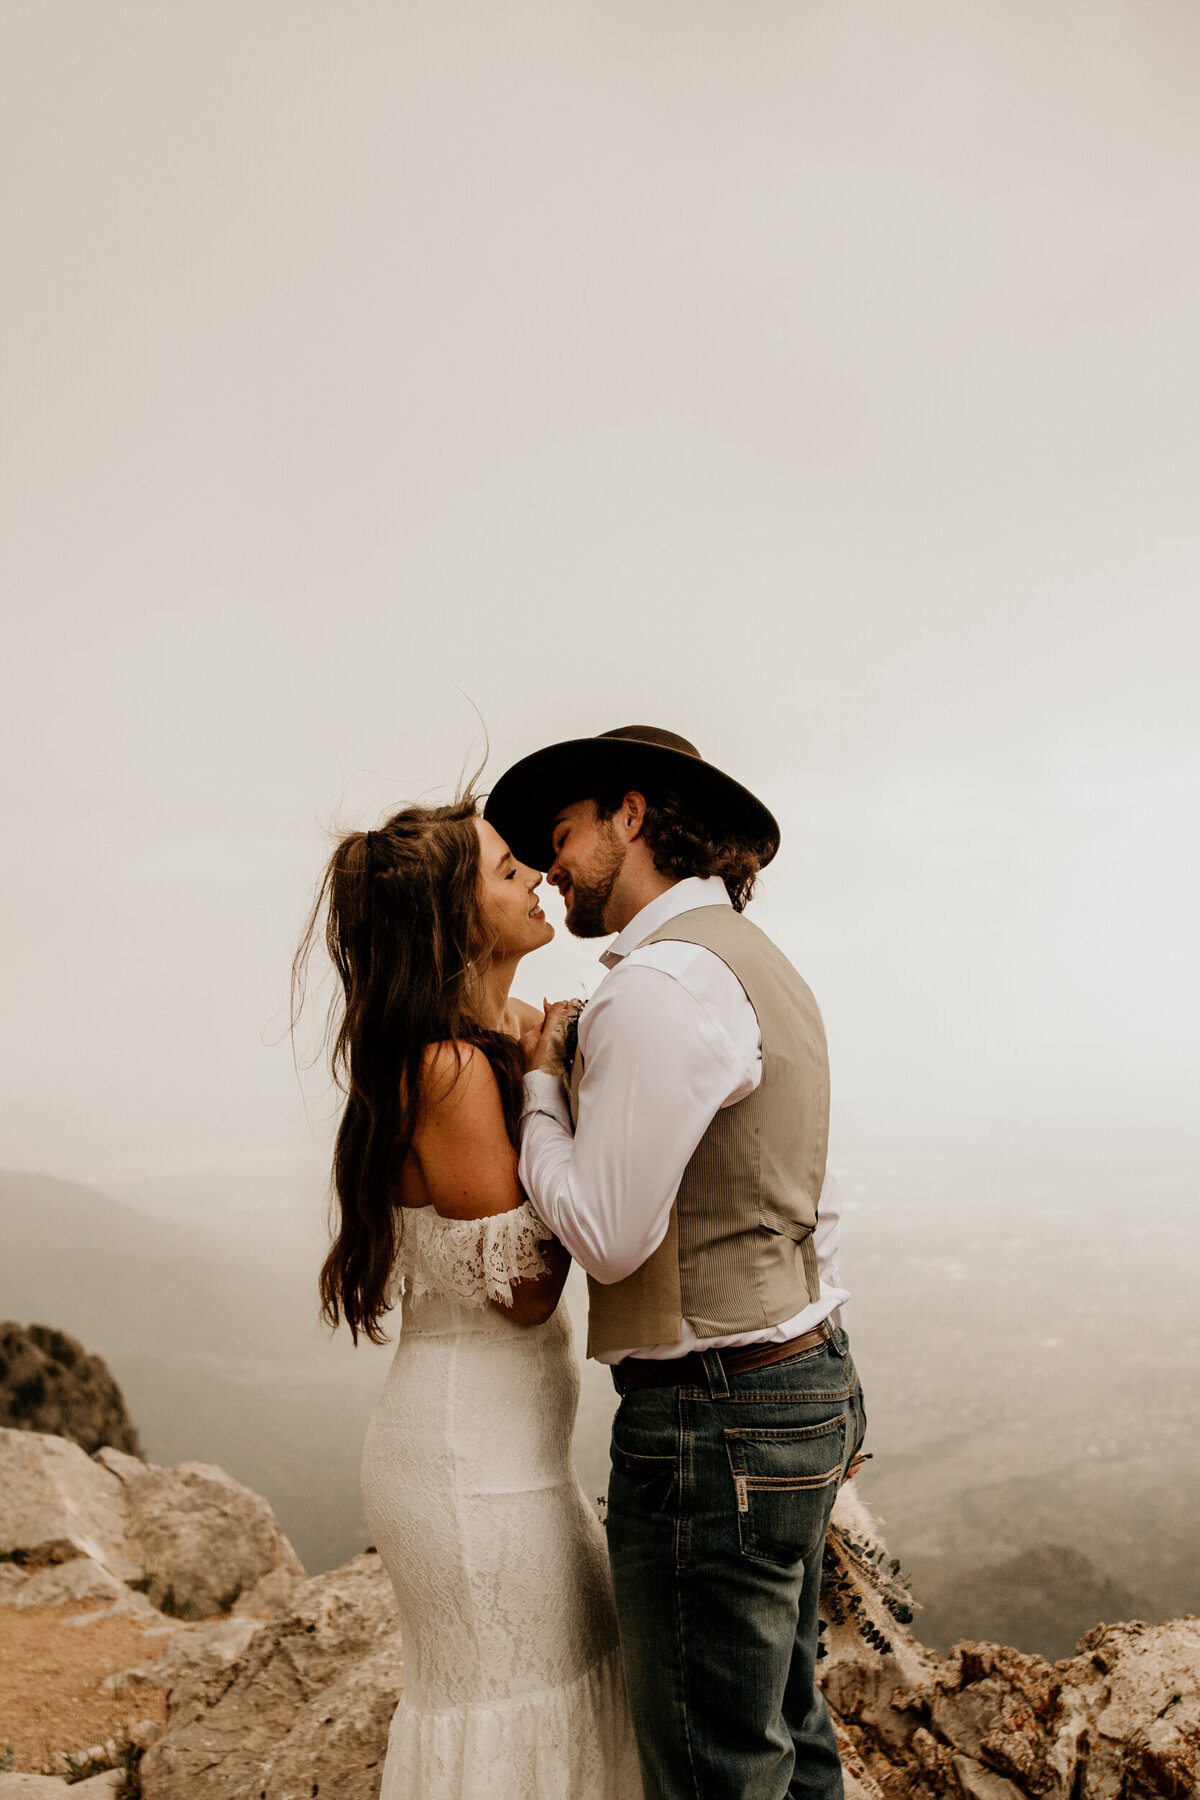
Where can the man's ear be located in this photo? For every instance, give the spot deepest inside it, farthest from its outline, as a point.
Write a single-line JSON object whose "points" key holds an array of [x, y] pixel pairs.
{"points": [[632, 815]]}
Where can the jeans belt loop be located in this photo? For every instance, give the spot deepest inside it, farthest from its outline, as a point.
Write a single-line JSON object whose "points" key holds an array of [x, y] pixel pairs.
{"points": [[718, 1382]]}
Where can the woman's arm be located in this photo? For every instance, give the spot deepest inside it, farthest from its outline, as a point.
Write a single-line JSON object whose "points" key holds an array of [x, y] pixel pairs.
{"points": [[469, 1166], [535, 1298], [461, 1142]]}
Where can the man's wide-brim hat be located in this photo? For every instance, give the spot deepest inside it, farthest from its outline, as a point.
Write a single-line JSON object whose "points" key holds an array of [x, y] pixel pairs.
{"points": [[527, 799]]}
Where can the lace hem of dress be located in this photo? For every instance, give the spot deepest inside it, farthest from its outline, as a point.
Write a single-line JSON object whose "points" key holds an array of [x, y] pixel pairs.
{"points": [[573, 1740], [472, 1260]]}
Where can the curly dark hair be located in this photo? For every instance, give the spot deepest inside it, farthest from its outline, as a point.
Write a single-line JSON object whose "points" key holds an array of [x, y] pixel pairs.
{"points": [[684, 844]]}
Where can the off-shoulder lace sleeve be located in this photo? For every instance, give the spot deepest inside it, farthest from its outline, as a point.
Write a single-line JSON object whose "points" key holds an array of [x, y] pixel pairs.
{"points": [[473, 1260]]}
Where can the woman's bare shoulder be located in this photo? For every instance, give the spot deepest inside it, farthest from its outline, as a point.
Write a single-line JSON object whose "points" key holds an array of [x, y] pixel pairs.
{"points": [[461, 1141], [456, 1076]]}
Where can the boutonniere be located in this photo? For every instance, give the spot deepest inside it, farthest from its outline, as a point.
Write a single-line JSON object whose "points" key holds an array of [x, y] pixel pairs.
{"points": [[570, 1047]]}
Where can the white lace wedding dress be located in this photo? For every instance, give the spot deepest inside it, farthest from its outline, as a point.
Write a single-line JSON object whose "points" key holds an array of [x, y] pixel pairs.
{"points": [[512, 1679]]}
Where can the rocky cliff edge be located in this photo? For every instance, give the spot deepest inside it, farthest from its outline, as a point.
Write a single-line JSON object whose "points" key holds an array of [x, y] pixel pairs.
{"points": [[220, 1672]]}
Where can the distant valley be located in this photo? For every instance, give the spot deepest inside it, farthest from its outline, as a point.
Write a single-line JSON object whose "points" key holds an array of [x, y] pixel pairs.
{"points": [[219, 1353], [1032, 1372]]}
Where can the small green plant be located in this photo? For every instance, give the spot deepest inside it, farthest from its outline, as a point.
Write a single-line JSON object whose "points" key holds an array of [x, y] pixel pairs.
{"points": [[8, 1759]]}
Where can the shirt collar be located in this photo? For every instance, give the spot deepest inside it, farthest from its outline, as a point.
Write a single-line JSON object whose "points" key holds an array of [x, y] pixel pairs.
{"points": [[685, 896]]}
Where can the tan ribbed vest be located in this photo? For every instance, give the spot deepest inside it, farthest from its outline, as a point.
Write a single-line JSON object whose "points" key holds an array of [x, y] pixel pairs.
{"points": [[738, 1254]]}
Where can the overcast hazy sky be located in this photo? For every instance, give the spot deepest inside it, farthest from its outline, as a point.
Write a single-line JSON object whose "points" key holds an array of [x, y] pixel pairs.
{"points": [[819, 380]]}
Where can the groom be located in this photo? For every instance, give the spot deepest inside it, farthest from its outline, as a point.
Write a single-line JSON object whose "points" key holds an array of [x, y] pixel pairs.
{"points": [[685, 1170]]}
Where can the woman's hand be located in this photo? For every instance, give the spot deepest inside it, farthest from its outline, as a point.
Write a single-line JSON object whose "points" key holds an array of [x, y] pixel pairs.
{"points": [[544, 1049]]}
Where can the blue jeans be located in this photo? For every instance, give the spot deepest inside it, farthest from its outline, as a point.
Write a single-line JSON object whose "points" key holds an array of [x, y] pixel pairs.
{"points": [[718, 1504]]}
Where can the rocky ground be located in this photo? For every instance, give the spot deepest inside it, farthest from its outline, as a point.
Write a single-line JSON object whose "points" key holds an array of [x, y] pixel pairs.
{"points": [[159, 1637]]}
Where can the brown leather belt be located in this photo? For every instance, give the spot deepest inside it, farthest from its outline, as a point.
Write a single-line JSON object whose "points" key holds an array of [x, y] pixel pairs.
{"points": [[689, 1371]]}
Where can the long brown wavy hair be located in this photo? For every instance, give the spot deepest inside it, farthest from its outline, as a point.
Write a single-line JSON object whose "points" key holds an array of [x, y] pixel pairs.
{"points": [[403, 929]]}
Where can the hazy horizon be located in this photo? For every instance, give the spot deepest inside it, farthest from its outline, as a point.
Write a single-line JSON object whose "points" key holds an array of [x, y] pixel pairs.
{"points": [[1022, 1509], [819, 383]]}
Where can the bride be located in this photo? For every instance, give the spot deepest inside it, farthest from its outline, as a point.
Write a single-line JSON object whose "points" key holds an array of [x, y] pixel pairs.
{"points": [[513, 1682]]}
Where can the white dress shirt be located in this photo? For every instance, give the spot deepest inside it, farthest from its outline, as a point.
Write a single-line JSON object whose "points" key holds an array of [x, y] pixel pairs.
{"points": [[669, 1039]]}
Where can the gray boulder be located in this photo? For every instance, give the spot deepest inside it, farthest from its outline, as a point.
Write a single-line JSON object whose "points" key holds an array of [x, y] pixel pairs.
{"points": [[1138, 1686], [271, 1594], [191, 1667], [12, 1577], [202, 1539], [338, 1741], [83, 1578], [192, 1538], [316, 1686], [56, 1504], [32, 1787]]}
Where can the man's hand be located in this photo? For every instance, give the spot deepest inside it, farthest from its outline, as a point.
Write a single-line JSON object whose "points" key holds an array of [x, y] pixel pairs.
{"points": [[544, 1049]]}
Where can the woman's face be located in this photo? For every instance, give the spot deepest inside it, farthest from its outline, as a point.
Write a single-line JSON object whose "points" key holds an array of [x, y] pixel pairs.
{"points": [[508, 901]]}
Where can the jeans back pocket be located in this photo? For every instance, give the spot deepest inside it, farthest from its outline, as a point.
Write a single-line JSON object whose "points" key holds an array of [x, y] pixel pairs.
{"points": [[784, 1482]]}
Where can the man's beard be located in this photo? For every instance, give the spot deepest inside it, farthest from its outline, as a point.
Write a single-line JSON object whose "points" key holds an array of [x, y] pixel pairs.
{"points": [[585, 909]]}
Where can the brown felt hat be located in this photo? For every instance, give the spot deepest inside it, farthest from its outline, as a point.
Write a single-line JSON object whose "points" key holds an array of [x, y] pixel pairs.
{"points": [[528, 797]]}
